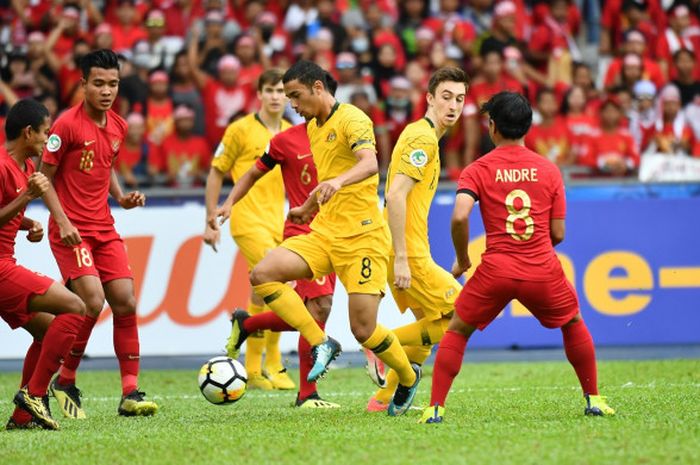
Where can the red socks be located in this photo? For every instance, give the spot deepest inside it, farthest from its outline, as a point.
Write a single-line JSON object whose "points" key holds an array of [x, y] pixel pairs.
{"points": [[57, 342], [266, 320], [22, 416], [126, 347], [578, 345], [448, 362], [305, 363], [66, 376]]}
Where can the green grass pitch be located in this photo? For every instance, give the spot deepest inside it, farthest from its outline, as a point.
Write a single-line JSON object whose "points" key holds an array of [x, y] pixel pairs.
{"points": [[497, 413]]}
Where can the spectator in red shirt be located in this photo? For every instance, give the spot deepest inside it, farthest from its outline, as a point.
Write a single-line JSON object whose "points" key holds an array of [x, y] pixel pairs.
{"points": [[131, 161], [253, 62], [635, 43], [619, 15], [550, 137], [183, 157], [450, 28], [612, 150], [631, 71], [127, 31], [503, 29], [491, 80], [553, 38], [159, 108], [583, 78], [222, 96], [580, 124], [672, 134], [70, 31], [677, 36], [184, 91], [102, 37]]}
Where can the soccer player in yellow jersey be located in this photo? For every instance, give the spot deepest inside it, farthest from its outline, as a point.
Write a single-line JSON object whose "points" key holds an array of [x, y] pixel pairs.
{"points": [[257, 221], [416, 281], [348, 235]]}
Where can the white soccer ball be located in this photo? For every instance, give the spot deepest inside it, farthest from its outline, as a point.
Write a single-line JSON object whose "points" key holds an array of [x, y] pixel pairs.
{"points": [[222, 380]]}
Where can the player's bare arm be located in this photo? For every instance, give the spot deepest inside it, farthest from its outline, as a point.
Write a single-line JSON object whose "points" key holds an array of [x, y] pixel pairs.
{"points": [[35, 231], [240, 189], [69, 234], [212, 234], [460, 233], [128, 201], [557, 230], [365, 167], [37, 186], [303, 213], [400, 187]]}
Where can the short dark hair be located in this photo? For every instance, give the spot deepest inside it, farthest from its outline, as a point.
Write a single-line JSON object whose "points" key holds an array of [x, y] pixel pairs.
{"points": [[331, 83], [447, 74], [306, 72], [511, 114], [270, 77], [105, 59], [26, 112]]}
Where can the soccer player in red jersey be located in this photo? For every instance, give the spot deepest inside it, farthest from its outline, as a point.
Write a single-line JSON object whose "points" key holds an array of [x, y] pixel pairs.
{"points": [[291, 150], [28, 299], [523, 206], [79, 160]]}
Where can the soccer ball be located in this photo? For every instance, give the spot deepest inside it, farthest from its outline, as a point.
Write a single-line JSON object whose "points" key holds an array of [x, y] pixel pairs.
{"points": [[222, 380]]}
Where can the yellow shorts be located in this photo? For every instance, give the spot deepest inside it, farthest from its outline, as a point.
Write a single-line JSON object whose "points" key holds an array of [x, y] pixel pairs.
{"points": [[433, 289], [254, 247], [360, 262]]}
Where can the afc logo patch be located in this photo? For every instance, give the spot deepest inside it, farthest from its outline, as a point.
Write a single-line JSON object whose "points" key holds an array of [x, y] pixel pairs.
{"points": [[331, 136]]}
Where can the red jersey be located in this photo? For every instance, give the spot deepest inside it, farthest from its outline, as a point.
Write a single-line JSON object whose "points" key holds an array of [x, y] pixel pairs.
{"points": [[159, 120], [176, 152], [291, 150], [581, 128], [615, 144], [650, 71], [552, 142], [519, 192], [13, 181], [84, 154], [221, 103]]}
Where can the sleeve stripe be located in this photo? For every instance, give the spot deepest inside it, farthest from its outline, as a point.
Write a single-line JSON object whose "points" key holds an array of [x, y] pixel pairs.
{"points": [[468, 192], [360, 142], [268, 161]]}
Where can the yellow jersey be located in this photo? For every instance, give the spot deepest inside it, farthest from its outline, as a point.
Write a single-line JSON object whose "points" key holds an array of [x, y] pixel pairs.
{"points": [[354, 209], [244, 141], [417, 156]]}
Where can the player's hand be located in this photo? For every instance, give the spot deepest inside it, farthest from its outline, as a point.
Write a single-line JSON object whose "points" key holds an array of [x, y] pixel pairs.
{"points": [[299, 215], [459, 269], [132, 199], [37, 185], [325, 190], [69, 234], [223, 213], [402, 273], [36, 232], [212, 236]]}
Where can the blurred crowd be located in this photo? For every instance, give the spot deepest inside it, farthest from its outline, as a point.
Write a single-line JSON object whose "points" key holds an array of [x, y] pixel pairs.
{"points": [[610, 81]]}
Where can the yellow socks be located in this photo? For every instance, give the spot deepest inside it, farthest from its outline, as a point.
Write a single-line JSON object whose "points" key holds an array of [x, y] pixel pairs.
{"points": [[385, 345], [255, 344], [416, 354], [422, 332], [273, 357], [288, 305]]}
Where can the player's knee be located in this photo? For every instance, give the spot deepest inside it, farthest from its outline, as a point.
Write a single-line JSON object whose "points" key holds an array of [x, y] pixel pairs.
{"points": [[76, 306], [260, 275], [320, 308], [94, 305], [124, 307], [362, 330]]}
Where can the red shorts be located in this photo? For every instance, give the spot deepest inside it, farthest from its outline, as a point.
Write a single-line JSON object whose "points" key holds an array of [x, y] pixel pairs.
{"points": [[100, 254], [17, 286], [554, 303], [313, 288]]}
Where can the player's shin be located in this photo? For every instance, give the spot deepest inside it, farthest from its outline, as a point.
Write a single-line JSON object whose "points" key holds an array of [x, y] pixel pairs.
{"points": [[422, 332], [580, 351], [448, 362], [385, 346], [127, 349], [286, 303], [72, 359], [415, 354]]}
